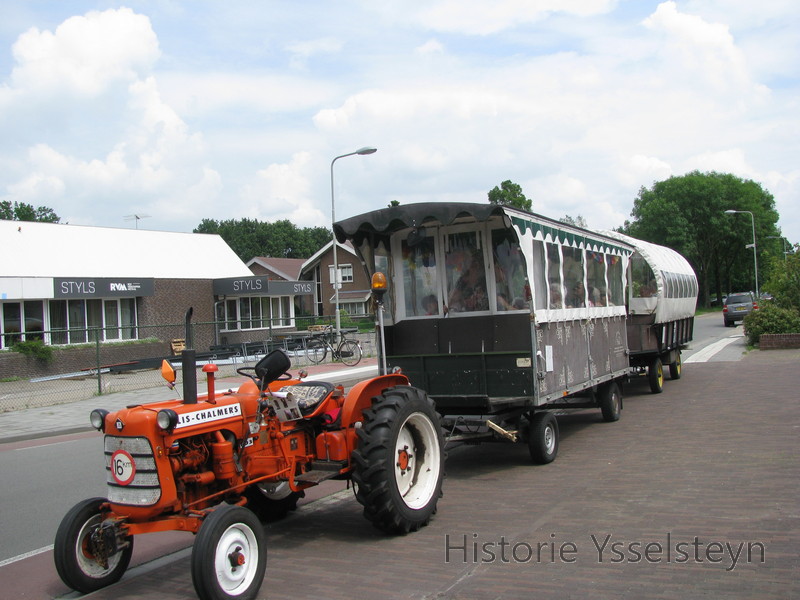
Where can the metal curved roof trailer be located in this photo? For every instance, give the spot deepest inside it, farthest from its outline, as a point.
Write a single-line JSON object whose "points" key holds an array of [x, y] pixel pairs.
{"points": [[499, 315], [663, 297]]}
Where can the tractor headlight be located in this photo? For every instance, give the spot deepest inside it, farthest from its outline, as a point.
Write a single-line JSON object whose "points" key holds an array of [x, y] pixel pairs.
{"points": [[98, 419], [167, 419]]}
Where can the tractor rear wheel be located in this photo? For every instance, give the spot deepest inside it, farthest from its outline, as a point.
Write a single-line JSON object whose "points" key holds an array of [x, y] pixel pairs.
{"points": [[399, 462], [80, 560], [229, 556]]}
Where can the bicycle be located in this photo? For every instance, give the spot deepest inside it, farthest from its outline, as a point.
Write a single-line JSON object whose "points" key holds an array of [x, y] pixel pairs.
{"points": [[347, 351]]}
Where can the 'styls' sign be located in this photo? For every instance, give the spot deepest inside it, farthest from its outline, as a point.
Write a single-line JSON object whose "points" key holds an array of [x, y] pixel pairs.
{"points": [[101, 287], [261, 286]]}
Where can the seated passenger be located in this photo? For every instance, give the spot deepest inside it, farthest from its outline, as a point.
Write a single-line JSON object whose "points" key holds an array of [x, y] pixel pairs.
{"points": [[430, 304], [555, 296], [502, 302], [478, 300], [576, 298]]}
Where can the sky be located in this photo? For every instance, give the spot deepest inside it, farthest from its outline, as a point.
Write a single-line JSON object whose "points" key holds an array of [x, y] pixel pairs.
{"points": [[179, 111]]}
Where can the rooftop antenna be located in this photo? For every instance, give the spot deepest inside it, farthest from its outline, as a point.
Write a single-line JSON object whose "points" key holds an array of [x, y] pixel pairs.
{"points": [[135, 217]]}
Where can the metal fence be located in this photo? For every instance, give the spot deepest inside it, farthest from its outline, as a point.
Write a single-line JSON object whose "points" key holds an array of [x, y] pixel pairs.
{"points": [[43, 375]]}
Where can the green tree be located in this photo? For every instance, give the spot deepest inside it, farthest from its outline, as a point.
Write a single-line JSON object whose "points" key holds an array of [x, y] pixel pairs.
{"points": [[784, 280], [20, 211], [578, 221], [282, 239], [687, 214], [510, 194]]}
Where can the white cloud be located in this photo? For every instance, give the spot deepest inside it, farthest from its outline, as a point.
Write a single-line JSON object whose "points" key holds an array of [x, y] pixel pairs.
{"points": [[121, 143], [695, 47], [430, 47], [85, 54], [283, 191], [472, 16], [581, 102], [303, 51]]}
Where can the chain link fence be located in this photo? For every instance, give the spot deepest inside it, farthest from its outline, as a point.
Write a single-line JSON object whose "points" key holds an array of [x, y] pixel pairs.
{"points": [[35, 374]]}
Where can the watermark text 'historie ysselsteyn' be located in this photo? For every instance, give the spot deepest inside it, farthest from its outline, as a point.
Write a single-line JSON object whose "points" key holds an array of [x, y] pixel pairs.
{"points": [[603, 548]]}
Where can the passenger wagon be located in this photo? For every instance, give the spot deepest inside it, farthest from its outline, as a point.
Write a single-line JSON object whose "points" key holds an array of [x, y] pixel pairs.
{"points": [[501, 316]]}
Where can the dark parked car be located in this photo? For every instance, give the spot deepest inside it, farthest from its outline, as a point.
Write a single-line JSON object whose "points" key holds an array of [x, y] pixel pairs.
{"points": [[737, 306]]}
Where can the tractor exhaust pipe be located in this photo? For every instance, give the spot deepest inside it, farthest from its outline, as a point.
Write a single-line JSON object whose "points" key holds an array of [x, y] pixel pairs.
{"points": [[189, 363]]}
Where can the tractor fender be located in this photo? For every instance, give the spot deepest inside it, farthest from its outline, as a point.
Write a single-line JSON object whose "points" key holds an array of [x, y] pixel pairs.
{"points": [[360, 396]]}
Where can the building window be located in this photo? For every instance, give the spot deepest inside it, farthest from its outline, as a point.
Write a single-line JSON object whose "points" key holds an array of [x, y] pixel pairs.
{"points": [[69, 321], [11, 323], [257, 312], [354, 308], [345, 273]]}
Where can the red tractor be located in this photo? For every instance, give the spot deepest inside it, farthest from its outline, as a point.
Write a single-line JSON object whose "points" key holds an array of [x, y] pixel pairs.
{"points": [[218, 464]]}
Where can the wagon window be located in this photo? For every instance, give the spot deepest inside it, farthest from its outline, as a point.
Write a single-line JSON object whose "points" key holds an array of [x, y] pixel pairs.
{"points": [[615, 280], [465, 272], [573, 277], [642, 278], [419, 278], [596, 278], [554, 276], [540, 291], [509, 271]]}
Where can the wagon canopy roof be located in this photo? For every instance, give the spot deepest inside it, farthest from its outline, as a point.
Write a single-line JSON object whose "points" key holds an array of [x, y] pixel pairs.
{"points": [[388, 220], [660, 258]]}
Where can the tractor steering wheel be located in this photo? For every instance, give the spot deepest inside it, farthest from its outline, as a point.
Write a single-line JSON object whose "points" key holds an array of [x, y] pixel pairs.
{"points": [[244, 371]]}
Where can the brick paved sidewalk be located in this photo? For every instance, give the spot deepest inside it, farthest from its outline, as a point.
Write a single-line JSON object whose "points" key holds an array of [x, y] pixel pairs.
{"points": [[694, 493]]}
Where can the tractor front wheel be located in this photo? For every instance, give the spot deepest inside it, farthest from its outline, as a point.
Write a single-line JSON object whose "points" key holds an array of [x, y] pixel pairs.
{"points": [[82, 556], [399, 462], [229, 556]]}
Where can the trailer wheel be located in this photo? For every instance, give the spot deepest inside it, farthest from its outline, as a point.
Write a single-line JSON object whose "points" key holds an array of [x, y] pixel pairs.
{"points": [[272, 501], [229, 556], [543, 438], [655, 375], [399, 461], [675, 367], [80, 561], [610, 402]]}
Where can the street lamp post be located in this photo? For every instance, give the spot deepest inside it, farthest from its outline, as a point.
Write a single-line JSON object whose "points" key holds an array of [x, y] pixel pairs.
{"points": [[360, 152], [755, 257], [783, 243]]}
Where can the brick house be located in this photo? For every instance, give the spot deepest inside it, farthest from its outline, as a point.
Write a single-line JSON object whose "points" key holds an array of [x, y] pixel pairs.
{"points": [[354, 291], [70, 284]]}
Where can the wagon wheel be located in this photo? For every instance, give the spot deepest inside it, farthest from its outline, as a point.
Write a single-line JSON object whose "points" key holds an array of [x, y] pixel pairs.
{"points": [[675, 367], [655, 376], [610, 402], [543, 438]]}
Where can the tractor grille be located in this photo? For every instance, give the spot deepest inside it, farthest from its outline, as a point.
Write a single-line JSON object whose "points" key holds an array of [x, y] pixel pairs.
{"points": [[144, 488]]}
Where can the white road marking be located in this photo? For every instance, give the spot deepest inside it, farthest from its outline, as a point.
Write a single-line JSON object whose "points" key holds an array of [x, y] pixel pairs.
{"points": [[20, 557], [709, 351]]}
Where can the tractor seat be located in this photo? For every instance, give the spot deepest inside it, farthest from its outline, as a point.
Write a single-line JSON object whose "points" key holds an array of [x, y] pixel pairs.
{"points": [[309, 394]]}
